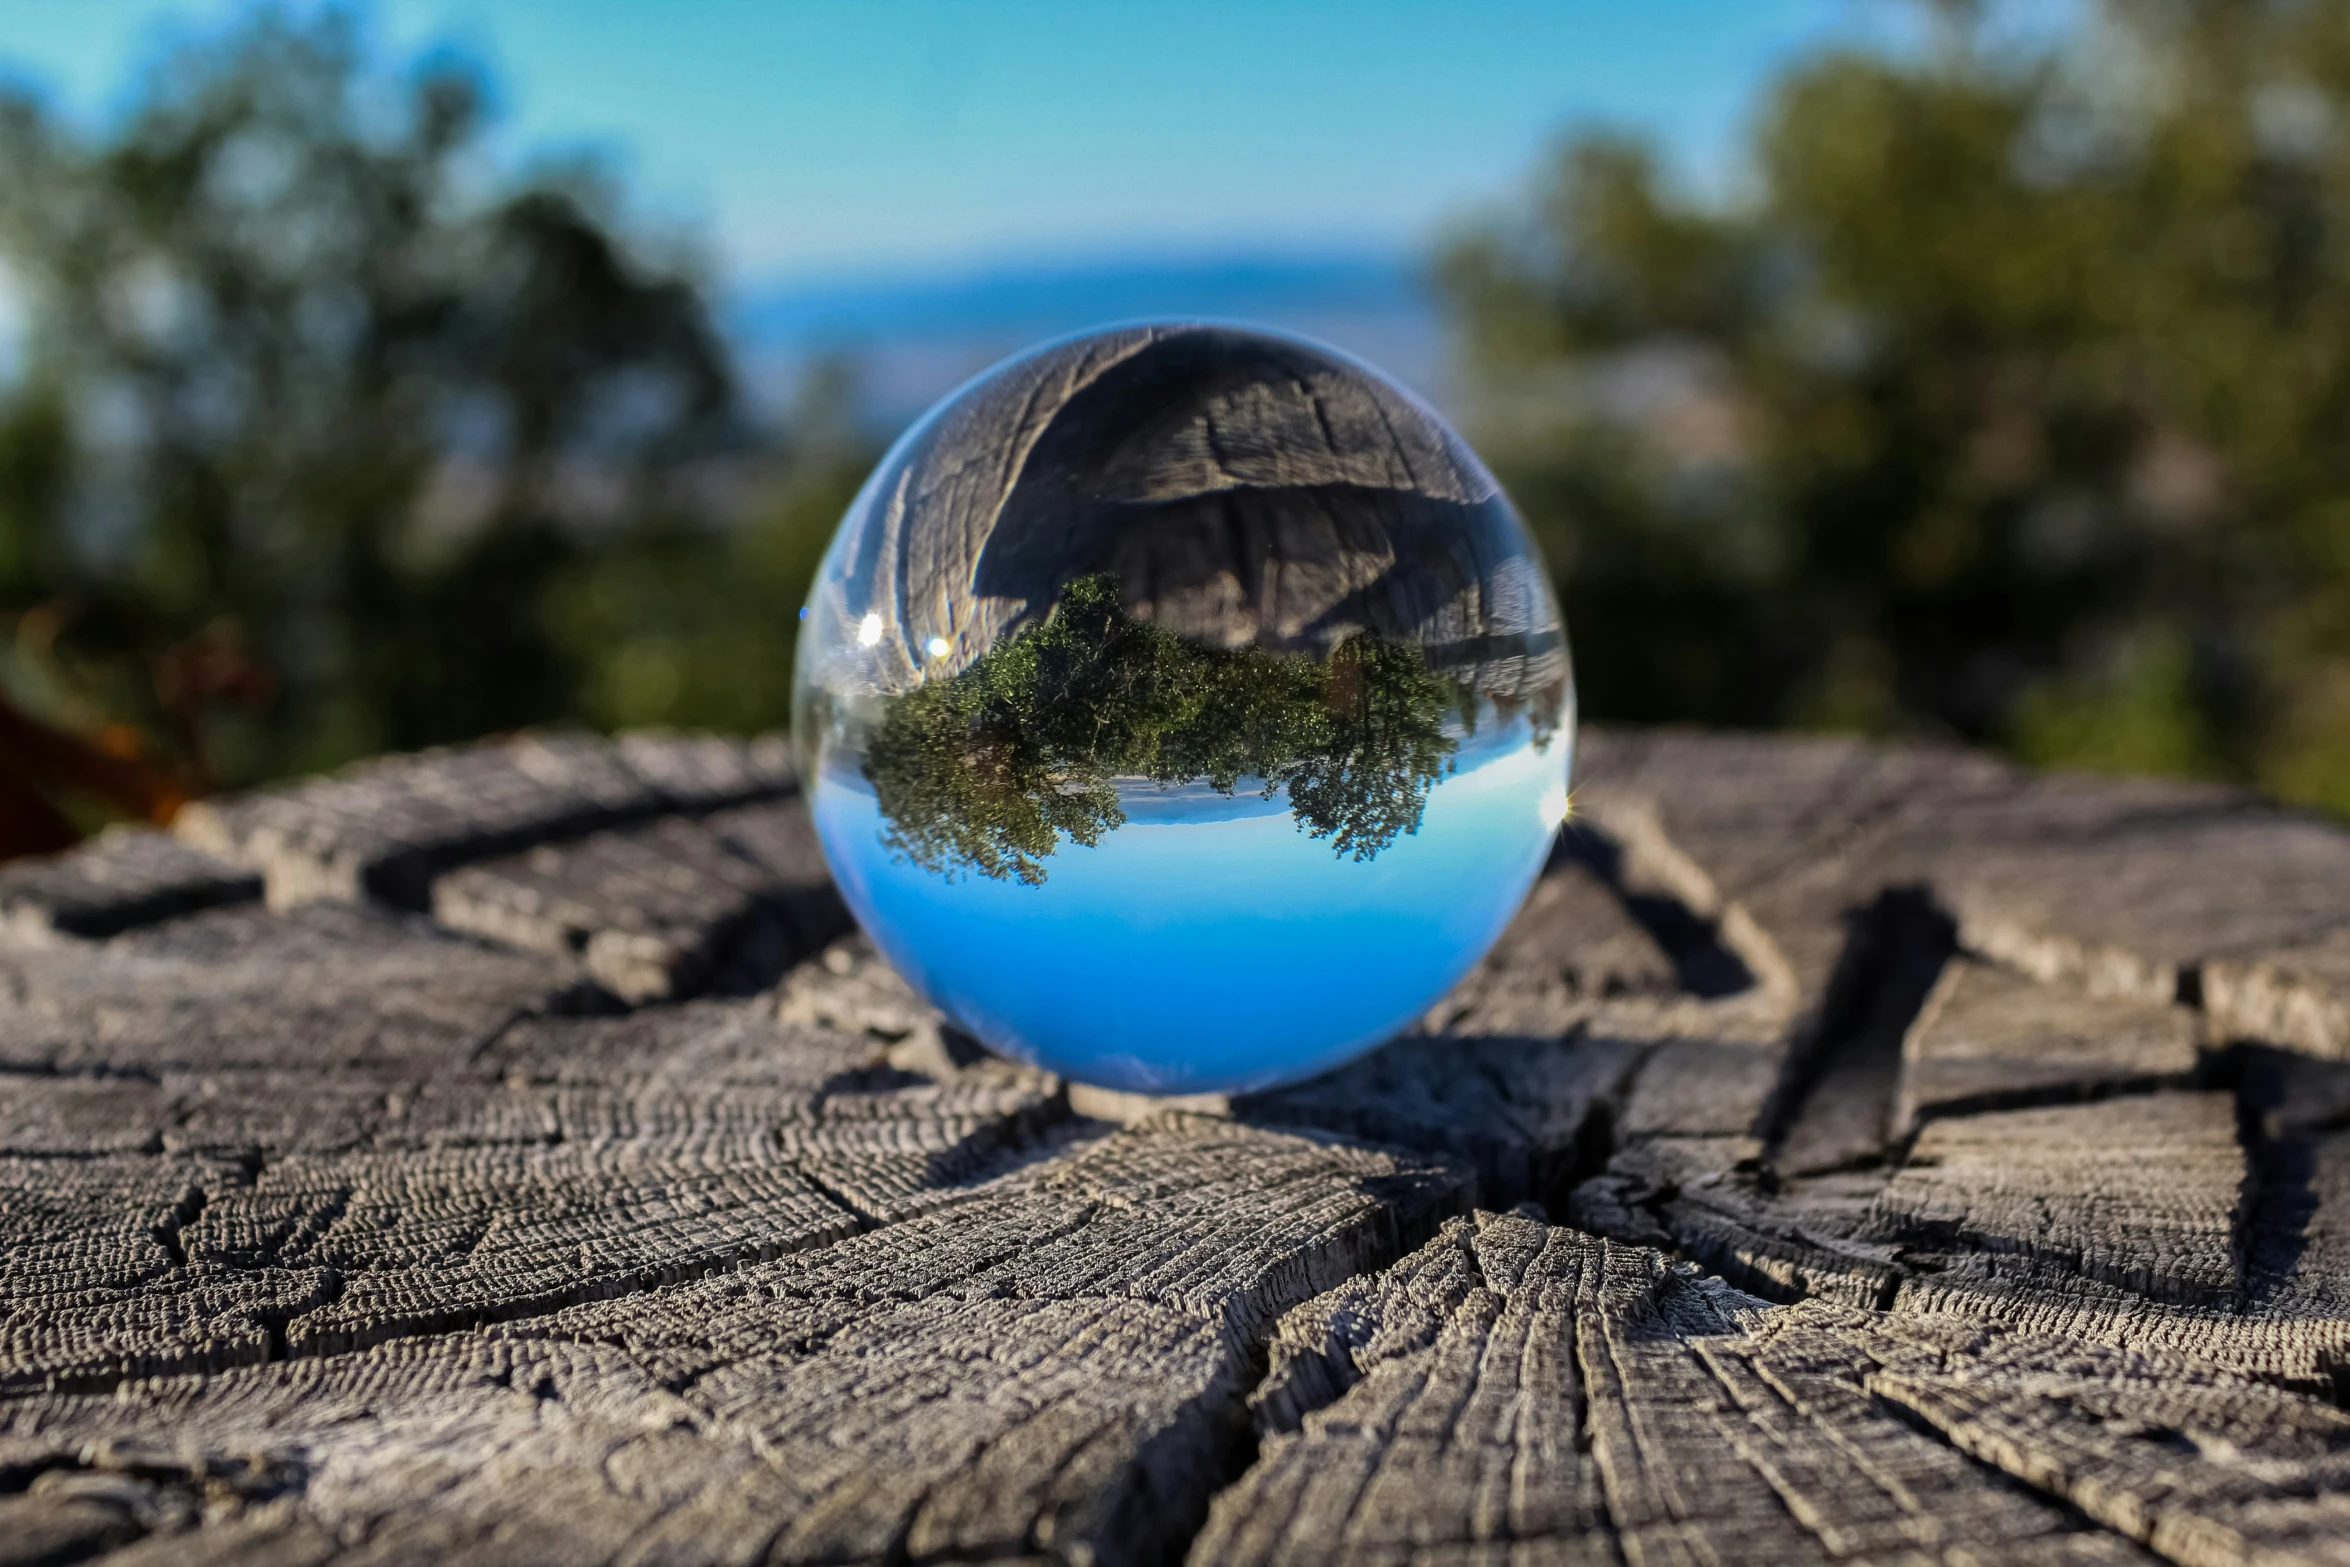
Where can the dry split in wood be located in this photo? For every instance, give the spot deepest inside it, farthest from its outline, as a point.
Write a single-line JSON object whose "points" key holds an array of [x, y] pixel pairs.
{"points": [[1851, 1154]]}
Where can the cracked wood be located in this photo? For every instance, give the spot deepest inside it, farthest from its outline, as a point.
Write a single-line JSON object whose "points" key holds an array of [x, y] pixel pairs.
{"points": [[1850, 1154]]}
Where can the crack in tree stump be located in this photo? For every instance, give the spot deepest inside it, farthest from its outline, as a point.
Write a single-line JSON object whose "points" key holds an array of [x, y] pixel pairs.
{"points": [[1850, 1154]]}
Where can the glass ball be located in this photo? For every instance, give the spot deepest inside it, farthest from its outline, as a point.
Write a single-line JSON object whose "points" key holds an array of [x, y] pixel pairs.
{"points": [[1183, 708]]}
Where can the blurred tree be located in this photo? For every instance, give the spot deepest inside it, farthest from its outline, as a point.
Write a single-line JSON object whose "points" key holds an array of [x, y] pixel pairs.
{"points": [[319, 420], [2012, 401], [679, 622]]}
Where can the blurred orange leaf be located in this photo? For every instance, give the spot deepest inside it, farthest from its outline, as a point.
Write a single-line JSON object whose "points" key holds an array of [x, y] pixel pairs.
{"points": [[38, 760]]}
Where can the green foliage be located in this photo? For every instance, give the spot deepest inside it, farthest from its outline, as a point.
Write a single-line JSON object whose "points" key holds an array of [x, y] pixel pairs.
{"points": [[989, 769], [2008, 402], [684, 625], [327, 440]]}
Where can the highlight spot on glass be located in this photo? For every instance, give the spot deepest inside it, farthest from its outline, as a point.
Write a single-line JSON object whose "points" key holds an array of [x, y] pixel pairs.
{"points": [[1183, 708]]}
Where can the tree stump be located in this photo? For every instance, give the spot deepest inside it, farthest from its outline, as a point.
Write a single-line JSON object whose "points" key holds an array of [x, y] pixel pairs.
{"points": [[510, 1155]]}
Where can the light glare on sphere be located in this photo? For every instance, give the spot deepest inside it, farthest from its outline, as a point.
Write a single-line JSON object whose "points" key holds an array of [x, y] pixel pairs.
{"points": [[1183, 708]]}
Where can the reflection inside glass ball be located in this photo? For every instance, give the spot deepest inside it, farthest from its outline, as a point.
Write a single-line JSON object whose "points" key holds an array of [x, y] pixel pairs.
{"points": [[1183, 708]]}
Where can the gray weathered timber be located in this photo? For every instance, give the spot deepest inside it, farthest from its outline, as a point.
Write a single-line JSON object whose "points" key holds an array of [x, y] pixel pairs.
{"points": [[1988, 1037], [1850, 1154], [381, 829], [652, 910], [128, 876]]}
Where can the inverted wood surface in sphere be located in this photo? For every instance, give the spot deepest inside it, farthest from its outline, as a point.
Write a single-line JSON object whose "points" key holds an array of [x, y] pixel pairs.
{"points": [[1238, 488], [509, 1155]]}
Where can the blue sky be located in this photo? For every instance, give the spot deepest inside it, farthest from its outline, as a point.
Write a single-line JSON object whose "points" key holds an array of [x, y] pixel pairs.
{"points": [[850, 139]]}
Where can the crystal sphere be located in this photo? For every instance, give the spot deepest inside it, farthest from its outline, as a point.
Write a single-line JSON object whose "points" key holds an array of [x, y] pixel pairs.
{"points": [[1183, 708]]}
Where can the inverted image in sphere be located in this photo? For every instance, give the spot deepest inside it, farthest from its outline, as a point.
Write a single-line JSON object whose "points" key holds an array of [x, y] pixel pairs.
{"points": [[1183, 708]]}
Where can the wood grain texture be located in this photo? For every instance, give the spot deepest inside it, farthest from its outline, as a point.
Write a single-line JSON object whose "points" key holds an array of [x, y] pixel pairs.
{"points": [[127, 876], [1850, 1154], [1988, 1037], [381, 829], [662, 909]]}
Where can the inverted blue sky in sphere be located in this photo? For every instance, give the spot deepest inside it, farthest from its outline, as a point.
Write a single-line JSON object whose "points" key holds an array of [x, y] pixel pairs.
{"points": [[1209, 944]]}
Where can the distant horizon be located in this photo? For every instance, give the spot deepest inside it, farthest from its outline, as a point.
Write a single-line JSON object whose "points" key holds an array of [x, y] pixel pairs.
{"points": [[820, 139], [914, 335], [926, 187], [1024, 264]]}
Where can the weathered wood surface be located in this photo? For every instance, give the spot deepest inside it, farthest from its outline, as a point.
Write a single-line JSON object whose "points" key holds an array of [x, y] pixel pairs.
{"points": [[510, 1155]]}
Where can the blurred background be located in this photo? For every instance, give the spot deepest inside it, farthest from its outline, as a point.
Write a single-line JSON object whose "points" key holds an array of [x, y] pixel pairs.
{"points": [[382, 376]]}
